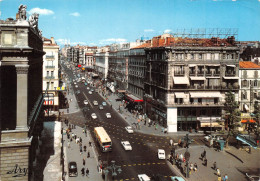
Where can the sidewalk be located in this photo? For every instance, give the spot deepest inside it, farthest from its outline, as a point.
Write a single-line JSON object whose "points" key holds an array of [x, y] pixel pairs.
{"points": [[228, 161], [73, 154], [73, 104]]}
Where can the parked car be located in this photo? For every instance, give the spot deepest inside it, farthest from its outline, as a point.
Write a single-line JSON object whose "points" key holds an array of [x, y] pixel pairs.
{"points": [[101, 107], [104, 103], [214, 137], [129, 129], [73, 170], [88, 88], [85, 102], [176, 178], [94, 116], [161, 154], [108, 115], [126, 145], [89, 92], [95, 103], [143, 177]]}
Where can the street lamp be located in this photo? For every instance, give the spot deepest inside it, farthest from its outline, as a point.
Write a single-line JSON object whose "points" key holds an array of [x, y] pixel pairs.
{"points": [[113, 168], [187, 156]]}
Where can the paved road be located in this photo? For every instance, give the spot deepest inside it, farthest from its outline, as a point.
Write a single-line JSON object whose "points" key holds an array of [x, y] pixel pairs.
{"points": [[143, 157]]}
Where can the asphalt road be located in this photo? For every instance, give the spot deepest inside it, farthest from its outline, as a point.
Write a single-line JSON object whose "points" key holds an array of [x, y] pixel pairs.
{"points": [[143, 158]]}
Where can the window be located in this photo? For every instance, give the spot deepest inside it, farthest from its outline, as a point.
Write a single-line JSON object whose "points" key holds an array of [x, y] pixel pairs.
{"points": [[48, 73], [244, 83], [192, 56], [255, 83], [52, 86], [51, 73], [243, 95], [200, 56]]}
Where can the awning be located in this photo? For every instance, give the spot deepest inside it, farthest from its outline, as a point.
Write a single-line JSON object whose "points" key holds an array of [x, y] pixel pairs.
{"points": [[134, 98], [197, 78], [247, 140], [120, 91], [213, 124], [213, 65], [179, 95], [192, 65], [181, 80], [231, 77], [248, 121], [205, 94], [231, 65]]}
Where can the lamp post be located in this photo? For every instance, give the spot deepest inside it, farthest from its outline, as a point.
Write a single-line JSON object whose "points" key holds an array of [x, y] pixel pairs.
{"points": [[113, 168], [187, 156]]}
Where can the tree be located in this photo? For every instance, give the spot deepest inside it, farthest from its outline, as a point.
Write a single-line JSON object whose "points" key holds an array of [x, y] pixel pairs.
{"points": [[257, 116], [232, 113]]}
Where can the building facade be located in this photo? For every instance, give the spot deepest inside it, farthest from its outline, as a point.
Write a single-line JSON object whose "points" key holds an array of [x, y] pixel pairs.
{"points": [[50, 75], [21, 96], [101, 62], [249, 81], [186, 80]]}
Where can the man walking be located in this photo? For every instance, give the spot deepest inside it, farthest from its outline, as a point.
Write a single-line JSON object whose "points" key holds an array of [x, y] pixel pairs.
{"points": [[87, 172]]}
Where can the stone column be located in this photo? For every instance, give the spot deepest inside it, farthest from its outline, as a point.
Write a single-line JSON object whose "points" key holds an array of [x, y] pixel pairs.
{"points": [[22, 96]]}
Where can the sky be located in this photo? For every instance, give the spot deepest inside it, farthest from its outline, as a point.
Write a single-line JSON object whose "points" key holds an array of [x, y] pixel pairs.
{"points": [[102, 22]]}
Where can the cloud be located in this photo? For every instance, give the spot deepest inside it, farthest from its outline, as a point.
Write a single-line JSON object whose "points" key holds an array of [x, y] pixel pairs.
{"points": [[148, 30], [41, 11], [62, 41], [167, 31], [75, 14], [112, 40]]}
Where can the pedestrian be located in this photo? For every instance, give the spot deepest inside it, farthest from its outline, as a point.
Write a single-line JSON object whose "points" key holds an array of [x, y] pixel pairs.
{"points": [[205, 162], [144, 121], [171, 142], [85, 148], [204, 153], [80, 149], [80, 140], [83, 171], [87, 172], [218, 172], [89, 143], [195, 167], [225, 177], [149, 122], [68, 144], [88, 154], [84, 161], [215, 165]]}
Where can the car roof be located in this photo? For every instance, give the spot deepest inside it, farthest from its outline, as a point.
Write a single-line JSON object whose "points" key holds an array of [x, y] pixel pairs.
{"points": [[161, 150]]}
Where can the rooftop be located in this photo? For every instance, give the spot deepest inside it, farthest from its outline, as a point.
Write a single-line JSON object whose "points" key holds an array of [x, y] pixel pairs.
{"points": [[248, 65]]}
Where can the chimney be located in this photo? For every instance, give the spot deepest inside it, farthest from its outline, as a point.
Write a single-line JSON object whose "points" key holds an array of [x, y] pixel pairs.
{"points": [[52, 40]]}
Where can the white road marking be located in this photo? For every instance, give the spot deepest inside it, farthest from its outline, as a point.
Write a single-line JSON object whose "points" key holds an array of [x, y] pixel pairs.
{"points": [[88, 100]]}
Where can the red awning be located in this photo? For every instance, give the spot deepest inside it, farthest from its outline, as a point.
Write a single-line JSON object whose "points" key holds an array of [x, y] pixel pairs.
{"points": [[134, 98], [79, 65], [248, 121]]}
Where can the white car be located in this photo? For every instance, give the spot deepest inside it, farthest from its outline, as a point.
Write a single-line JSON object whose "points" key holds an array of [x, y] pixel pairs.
{"points": [[104, 103], [101, 107], [129, 129], [214, 137], [76, 86], [85, 102], [95, 103], [126, 145], [94, 116], [143, 177], [108, 115], [89, 92], [161, 154], [88, 88]]}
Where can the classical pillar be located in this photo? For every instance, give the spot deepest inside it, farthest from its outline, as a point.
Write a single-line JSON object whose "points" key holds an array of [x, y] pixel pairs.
{"points": [[22, 96]]}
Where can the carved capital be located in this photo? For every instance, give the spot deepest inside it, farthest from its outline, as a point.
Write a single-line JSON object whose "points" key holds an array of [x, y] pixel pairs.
{"points": [[22, 69]]}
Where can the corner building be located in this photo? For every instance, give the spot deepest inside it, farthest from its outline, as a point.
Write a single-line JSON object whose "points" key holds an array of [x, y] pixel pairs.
{"points": [[186, 81], [21, 51]]}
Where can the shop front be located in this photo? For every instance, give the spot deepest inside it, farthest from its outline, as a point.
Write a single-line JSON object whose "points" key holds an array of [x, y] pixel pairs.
{"points": [[134, 103]]}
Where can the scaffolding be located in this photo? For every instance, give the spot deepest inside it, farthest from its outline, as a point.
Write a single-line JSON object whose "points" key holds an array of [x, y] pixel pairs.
{"points": [[206, 33]]}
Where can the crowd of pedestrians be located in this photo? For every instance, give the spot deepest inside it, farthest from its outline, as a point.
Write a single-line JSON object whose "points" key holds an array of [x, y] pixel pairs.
{"points": [[73, 138]]}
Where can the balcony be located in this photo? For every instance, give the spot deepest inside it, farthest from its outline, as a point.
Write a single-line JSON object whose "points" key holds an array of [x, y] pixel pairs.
{"points": [[197, 104], [217, 73], [230, 73], [50, 66], [49, 77], [49, 57], [192, 73], [200, 73]]}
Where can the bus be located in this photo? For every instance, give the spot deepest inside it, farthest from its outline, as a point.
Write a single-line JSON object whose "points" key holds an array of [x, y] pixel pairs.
{"points": [[103, 139]]}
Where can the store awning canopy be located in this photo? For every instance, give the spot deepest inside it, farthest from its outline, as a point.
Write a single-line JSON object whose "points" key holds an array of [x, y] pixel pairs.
{"points": [[181, 80], [231, 77], [205, 94], [231, 65], [246, 139], [179, 95], [248, 121], [121, 91], [134, 98], [197, 78]]}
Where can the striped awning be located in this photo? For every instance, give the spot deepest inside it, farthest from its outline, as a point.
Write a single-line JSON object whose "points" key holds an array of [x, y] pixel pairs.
{"points": [[212, 94]]}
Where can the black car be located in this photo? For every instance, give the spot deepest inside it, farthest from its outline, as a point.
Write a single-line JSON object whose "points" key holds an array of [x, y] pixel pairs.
{"points": [[73, 171]]}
